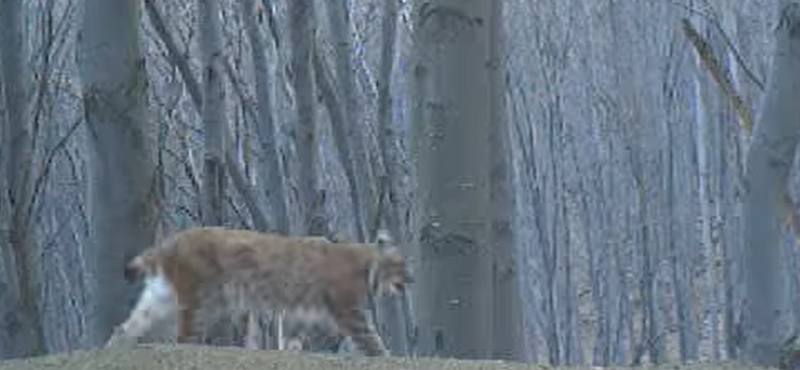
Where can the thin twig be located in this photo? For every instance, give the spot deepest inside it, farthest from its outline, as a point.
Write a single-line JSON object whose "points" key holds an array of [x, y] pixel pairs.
{"points": [[728, 42], [48, 164]]}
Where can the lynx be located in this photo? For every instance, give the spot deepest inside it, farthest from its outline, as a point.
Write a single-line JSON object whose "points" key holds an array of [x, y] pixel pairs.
{"points": [[206, 273]]}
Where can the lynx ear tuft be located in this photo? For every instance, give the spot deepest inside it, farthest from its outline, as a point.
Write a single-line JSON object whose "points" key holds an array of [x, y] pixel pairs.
{"points": [[383, 237]]}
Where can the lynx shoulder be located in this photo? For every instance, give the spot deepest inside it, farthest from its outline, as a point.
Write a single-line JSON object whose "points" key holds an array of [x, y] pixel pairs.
{"points": [[205, 273]]}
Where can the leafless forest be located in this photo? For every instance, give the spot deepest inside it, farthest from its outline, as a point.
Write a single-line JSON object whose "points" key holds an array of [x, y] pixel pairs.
{"points": [[573, 182]]}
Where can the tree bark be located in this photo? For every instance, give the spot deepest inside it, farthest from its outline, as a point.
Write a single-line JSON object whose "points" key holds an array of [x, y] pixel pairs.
{"points": [[769, 161], [25, 273], [398, 326], [193, 88], [353, 126], [302, 25], [123, 208], [339, 127], [452, 119], [387, 138], [213, 111], [508, 325], [265, 125]]}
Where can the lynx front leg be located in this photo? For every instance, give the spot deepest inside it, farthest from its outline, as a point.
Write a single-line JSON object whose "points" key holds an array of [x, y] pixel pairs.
{"points": [[254, 335], [279, 316], [353, 323], [187, 332], [155, 303]]}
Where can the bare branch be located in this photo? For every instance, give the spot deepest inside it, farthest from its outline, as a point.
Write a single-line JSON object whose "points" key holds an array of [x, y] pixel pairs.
{"points": [[714, 67]]}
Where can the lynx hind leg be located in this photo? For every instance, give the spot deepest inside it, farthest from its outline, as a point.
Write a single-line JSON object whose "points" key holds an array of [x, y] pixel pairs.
{"points": [[253, 331], [205, 317], [353, 323], [200, 324], [155, 303], [294, 344]]}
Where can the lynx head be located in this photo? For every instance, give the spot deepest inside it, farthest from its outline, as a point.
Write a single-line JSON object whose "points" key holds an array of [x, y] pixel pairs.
{"points": [[389, 275], [392, 275], [141, 265]]}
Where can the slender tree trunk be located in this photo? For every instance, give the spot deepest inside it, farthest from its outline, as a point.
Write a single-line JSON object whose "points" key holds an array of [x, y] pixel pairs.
{"points": [[213, 111], [122, 204], [573, 351], [599, 283], [387, 137], [621, 334], [25, 276], [302, 25], [651, 337], [704, 147], [354, 127], [550, 312], [193, 88], [326, 85], [452, 122], [396, 325], [769, 161], [265, 127]]}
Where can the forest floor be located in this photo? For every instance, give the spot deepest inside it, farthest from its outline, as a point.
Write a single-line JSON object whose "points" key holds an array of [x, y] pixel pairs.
{"points": [[173, 357]]}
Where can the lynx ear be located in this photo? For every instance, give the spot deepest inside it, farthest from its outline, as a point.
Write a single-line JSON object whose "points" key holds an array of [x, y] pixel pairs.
{"points": [[134, 269]]}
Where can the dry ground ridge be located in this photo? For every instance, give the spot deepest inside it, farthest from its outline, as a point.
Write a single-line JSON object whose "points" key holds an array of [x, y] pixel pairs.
{"points": [[180, 357]]}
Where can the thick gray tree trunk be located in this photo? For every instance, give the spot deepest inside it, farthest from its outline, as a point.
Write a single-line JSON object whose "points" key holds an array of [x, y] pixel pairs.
{"points": [[123, 208], [213, 111], [769, 161], [507, 310], [265, 127], [24, 275], [453, 116]]}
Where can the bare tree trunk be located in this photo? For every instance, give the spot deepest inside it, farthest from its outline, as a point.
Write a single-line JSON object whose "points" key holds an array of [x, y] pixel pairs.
{"points": [[213, 111], [265, 126], [453, 116], [361, 180], [394, 324], [769, 161], [508, 325], [302, 25], [621, 349], [572, 354], [387, 138], [704, 145], [550, 257], [193, 88], [326, 84], [599, 287], [123, 208], [25, 276]]}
